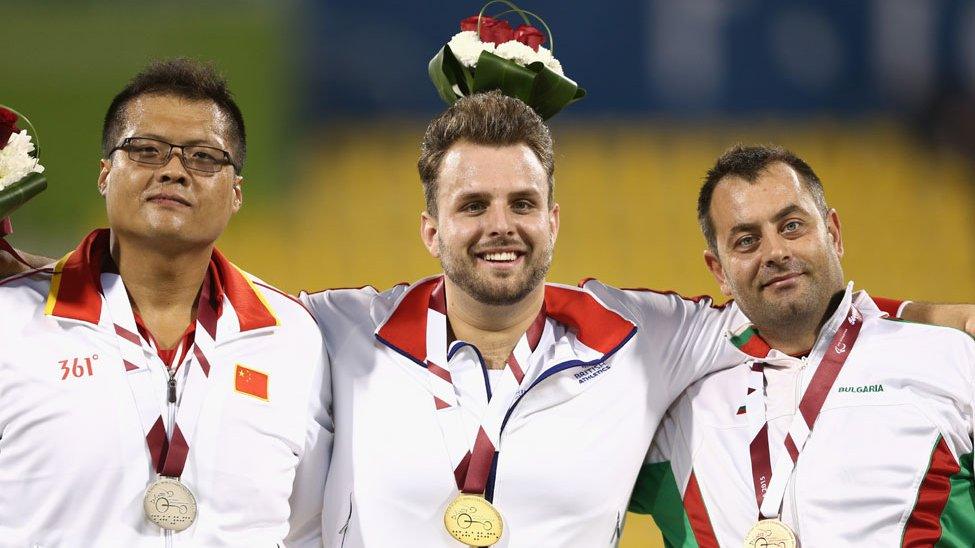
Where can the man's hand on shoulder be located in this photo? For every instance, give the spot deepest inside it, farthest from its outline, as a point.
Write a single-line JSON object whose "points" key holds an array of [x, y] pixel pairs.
{"points": [[10, 265], [959, 316]]}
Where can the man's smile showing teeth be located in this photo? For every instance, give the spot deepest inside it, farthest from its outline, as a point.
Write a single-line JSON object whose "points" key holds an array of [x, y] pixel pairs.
{"points": [[503, 256]]}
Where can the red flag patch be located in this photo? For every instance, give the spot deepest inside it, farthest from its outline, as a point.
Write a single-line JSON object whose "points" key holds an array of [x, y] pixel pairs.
{"points": [[250, 382]]}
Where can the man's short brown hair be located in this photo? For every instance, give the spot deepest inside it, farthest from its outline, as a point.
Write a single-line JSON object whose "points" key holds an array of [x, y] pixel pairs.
{"points": [[186, 79], [491, 119], [748, 162]]}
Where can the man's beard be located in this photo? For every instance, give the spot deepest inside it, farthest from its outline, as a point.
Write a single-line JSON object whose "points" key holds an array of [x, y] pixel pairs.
{"points": [[462, 272], [802, 311]]}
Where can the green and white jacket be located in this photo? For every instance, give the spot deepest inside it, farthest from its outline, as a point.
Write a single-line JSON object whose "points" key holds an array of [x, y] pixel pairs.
{"points": [[888, 462]]}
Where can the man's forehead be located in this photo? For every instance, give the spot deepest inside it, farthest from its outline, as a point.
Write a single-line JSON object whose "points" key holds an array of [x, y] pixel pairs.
{"points": [[473, 156], [175, 119], [777, 180], [737, 199]]}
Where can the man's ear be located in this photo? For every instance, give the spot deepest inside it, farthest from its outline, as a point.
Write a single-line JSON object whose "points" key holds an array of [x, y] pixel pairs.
{"points": [[714, 265], [105, 167], [429, 233], [238, 197], [833, 228], [553, 221]]}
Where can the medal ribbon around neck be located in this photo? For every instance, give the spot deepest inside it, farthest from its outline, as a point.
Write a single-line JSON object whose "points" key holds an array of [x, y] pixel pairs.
{"points": [[770, 484], [472, 465], [168, 452]]}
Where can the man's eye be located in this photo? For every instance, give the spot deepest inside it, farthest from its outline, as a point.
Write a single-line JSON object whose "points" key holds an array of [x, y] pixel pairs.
{"points": [[522, 205], [204, 156], [473, 207], [791, 226], [147, 150], [746, 241]]}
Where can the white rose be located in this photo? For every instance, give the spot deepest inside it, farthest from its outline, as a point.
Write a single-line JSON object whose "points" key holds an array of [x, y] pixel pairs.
{"points": [[467, 47], [514, 50], [554, 66], [543, 54], [16, 161], [524, 55]]}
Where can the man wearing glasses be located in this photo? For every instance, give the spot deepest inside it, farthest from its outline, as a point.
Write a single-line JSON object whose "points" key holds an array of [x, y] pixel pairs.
{"points": [[153, 393]]}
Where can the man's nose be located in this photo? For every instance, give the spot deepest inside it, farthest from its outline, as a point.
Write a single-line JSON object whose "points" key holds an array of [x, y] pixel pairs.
{"points": [[173, 171], [500, 222], [777, 249]]}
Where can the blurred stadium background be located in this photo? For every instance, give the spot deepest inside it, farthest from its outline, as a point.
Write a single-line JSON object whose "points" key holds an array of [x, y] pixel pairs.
{"points": [[879, 96]]}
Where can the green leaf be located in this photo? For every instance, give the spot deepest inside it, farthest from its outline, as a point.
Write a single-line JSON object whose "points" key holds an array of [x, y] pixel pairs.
{"points": [[20, 192], [551, 92], [439, 77], [512, 79], [457, 72]]}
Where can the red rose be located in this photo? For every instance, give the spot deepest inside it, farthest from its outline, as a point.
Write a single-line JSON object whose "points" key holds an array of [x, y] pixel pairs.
{"points": [[496, 31], [470, 23], [8, 126], [530, 36]]}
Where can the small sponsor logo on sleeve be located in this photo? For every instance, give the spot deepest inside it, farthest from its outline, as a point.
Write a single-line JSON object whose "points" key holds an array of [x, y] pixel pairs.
{"points": [[592, 372]]}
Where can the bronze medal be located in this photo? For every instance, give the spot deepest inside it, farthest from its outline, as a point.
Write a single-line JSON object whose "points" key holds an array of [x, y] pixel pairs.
{"points": [[473, 521], [170, 504], [771, 533]]}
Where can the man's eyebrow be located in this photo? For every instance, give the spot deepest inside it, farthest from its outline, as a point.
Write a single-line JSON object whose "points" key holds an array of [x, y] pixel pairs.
{"points": [[786, 211], [743, 227], [191, 142], [525, 193], [471, 195]]}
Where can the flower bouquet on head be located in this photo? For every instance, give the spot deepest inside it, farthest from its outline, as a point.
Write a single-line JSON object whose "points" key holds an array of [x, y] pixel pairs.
{"points": [[20, 172], [488, 54]]}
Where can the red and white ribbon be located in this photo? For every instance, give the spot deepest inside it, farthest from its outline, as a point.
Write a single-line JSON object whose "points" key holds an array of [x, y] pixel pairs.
{"points": [[168, 430], [469, 409], [770, 482]]}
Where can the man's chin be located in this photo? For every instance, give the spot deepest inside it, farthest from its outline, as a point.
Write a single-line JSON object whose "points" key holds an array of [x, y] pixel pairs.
{"points": [[495, 290], [789, 309], [498, 292], [173, 236]]}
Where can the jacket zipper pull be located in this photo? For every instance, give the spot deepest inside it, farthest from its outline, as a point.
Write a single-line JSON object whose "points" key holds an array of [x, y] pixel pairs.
{"points": [[172, 388]]}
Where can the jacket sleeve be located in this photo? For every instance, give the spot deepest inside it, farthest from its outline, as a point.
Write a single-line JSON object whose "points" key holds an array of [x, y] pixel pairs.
{"points": [[680, 339], [308, 492]]}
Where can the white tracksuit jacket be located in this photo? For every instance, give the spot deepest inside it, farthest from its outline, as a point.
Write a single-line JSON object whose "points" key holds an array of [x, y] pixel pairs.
{"points": [[888, 463], [575, 433], [74, 463]]}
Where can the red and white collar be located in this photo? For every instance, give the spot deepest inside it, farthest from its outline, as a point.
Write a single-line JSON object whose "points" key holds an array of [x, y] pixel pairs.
{"points": [[76, 291], [747, 338], [594, 325]]}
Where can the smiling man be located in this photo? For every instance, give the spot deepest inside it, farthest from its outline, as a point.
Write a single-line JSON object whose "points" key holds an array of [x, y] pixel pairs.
{"points": [[152, 393], [840, 427], [484, 406]]}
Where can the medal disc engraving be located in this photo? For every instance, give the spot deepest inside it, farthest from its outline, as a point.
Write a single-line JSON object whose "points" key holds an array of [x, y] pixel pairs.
{"points": [[473, 521], [170, 504], [771, 533]]}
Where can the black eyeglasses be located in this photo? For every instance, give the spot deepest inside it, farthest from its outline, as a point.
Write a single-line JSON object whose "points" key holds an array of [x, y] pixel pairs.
{"points": [[155, 152]]}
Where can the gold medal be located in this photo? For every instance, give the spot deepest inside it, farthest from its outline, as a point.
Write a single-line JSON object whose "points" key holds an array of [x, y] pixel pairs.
{"points": [[771, 533], [473, 521], [170, 504]]}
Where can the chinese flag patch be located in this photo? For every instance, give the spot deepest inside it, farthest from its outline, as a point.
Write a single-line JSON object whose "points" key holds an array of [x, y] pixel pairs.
{"points": [[251, 382]]}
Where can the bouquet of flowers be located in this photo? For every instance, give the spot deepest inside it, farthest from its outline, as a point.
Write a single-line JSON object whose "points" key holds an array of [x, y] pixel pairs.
{"points": [[20, 172], [488, 54]]}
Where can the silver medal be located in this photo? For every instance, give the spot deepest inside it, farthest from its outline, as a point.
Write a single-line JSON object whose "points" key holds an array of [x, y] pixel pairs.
{"points": [[170, 504]]}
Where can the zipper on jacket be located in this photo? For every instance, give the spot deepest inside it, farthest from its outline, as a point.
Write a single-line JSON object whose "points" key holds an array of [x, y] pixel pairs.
{"points": [[171, 407], [345, 528]]}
